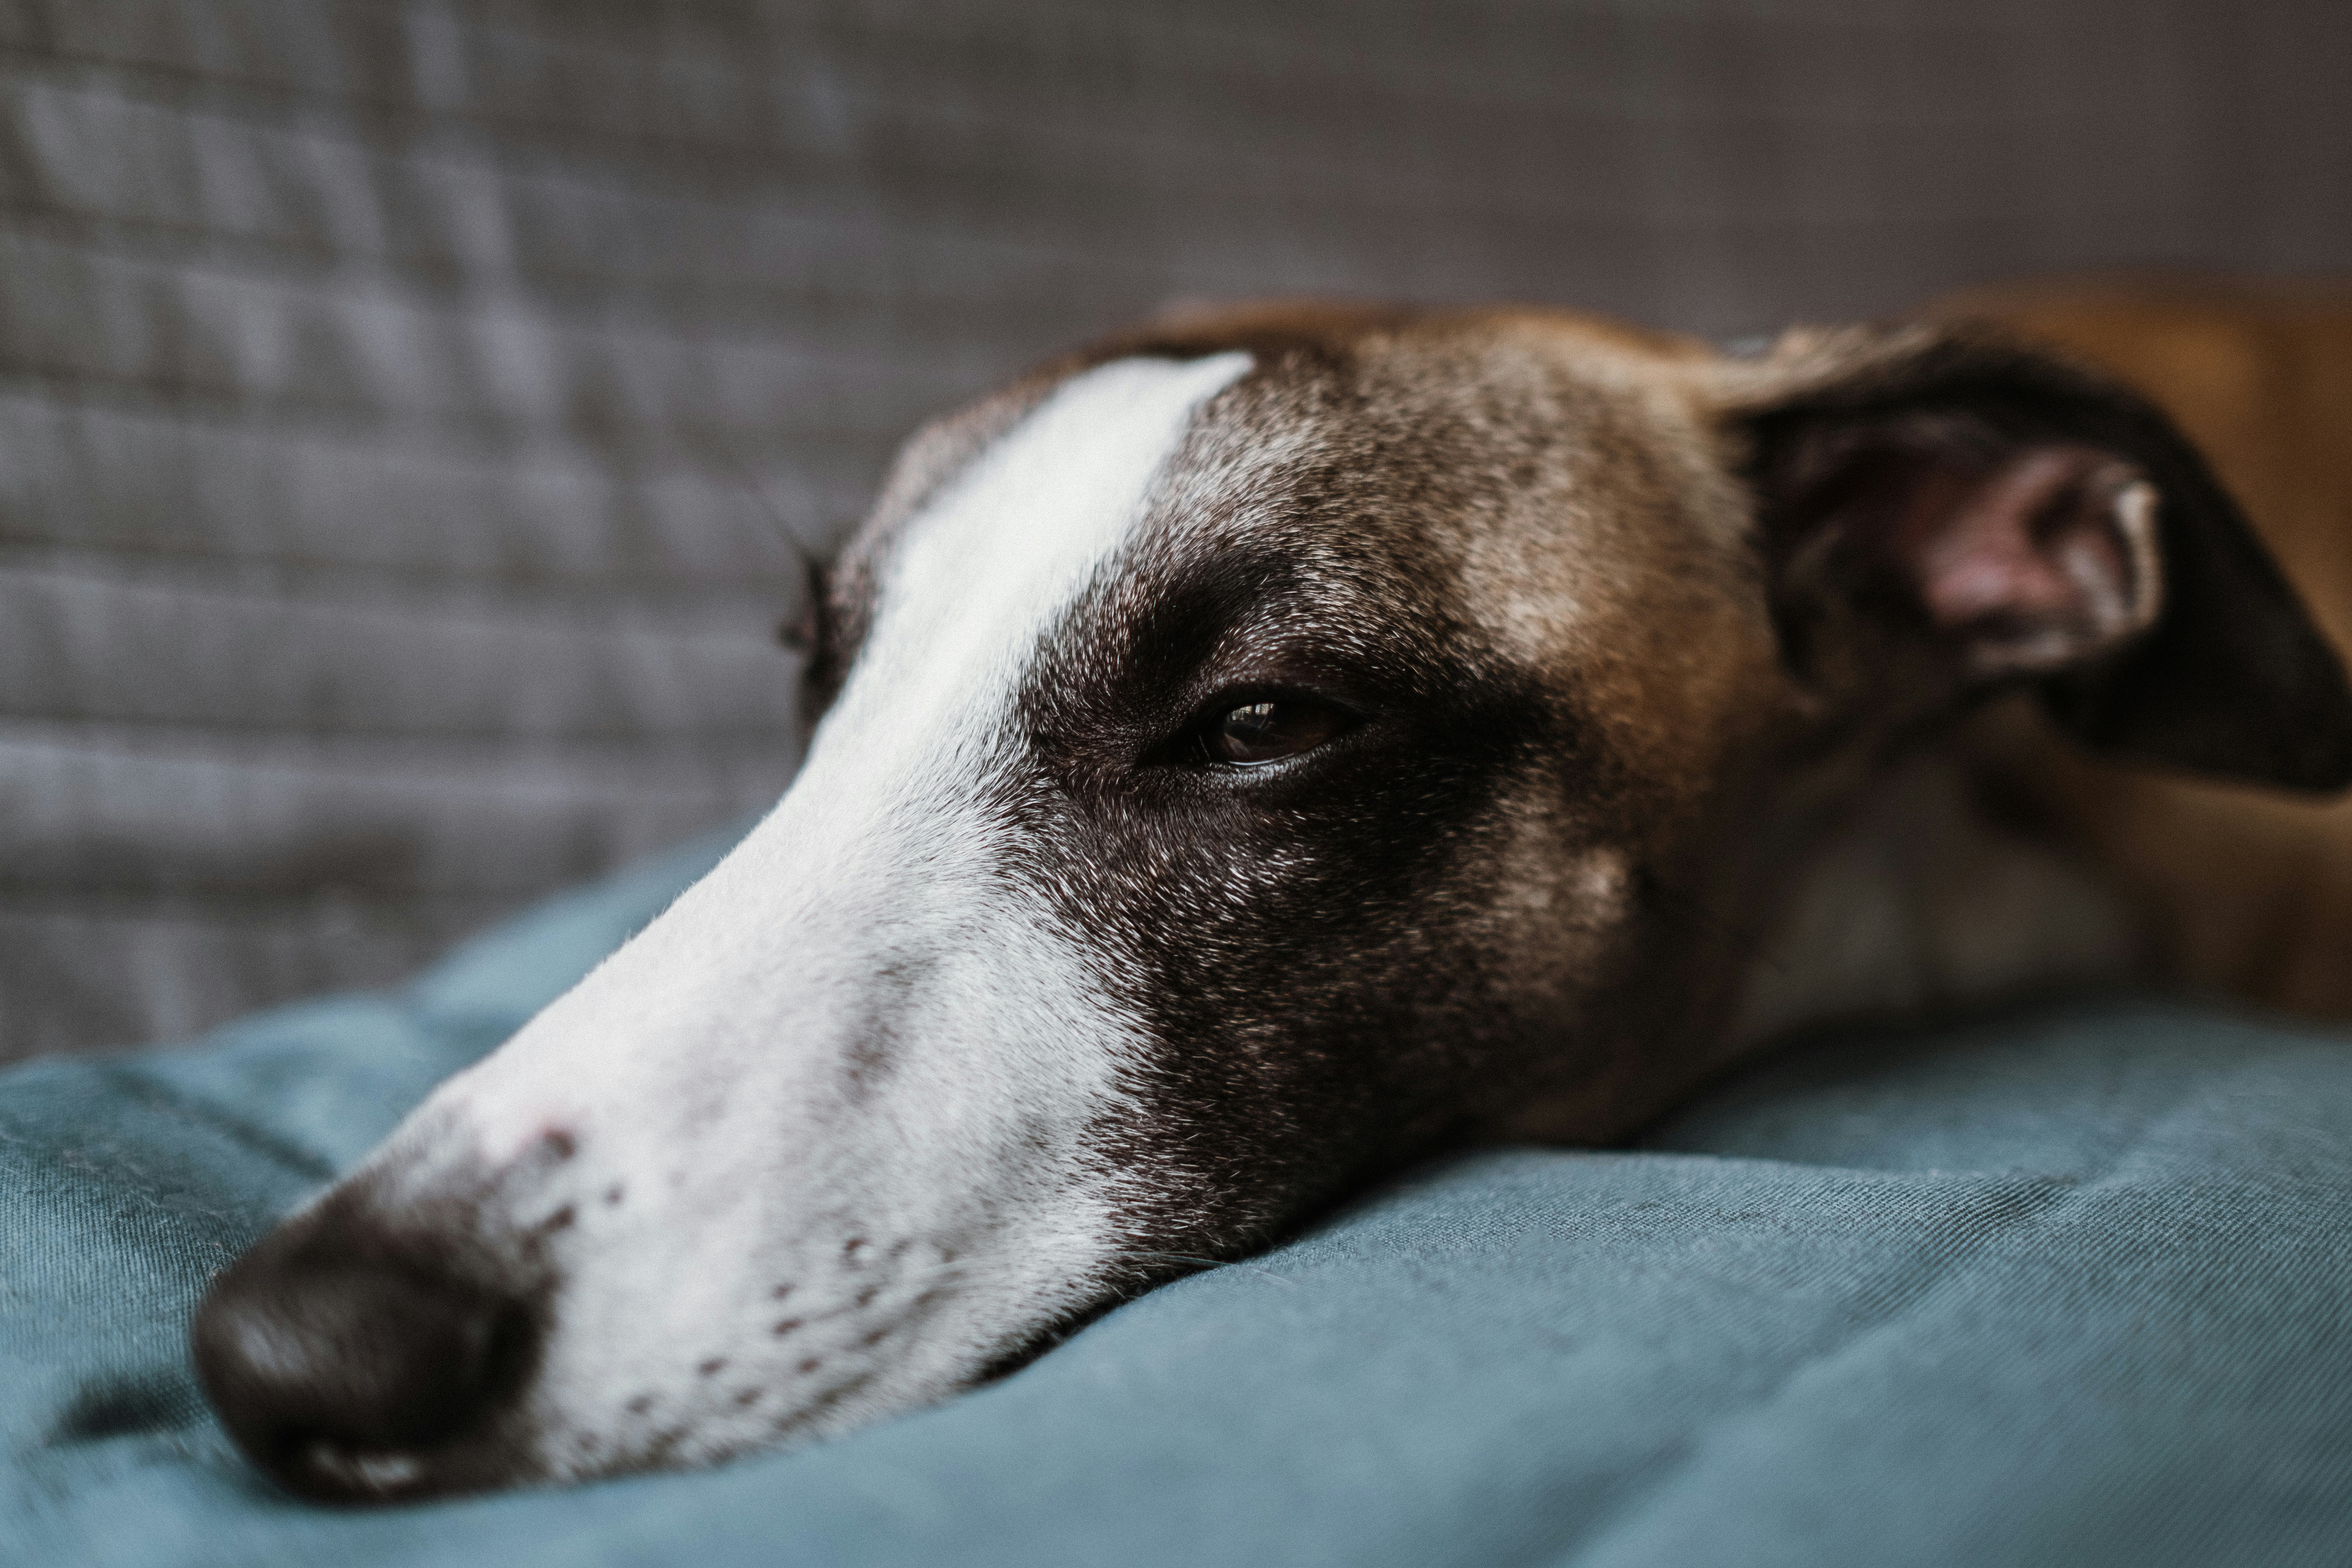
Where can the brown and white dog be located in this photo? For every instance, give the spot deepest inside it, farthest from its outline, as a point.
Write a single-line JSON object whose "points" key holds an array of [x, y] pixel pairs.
{"points": [[1256, 754]]}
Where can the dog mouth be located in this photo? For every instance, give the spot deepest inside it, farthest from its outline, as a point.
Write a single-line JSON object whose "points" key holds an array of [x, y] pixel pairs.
{"points": [[359, 1355]]}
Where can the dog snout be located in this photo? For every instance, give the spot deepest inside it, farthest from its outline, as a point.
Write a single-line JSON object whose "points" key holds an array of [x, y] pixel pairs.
{"points": [[352, 1368]]}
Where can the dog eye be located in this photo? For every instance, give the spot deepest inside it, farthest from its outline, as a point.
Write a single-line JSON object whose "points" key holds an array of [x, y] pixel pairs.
{"points": [[1271, 729]]}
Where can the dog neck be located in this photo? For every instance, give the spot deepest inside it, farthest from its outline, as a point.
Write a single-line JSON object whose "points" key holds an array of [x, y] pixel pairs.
{"points": [[1886, 899], [1922, 898]]}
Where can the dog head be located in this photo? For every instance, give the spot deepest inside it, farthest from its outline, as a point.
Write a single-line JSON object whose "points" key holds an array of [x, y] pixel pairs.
{"points": [[1252, 755]]}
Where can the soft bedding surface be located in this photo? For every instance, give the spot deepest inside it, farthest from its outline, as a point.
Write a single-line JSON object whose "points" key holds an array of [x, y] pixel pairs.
{"points": [[2065, 1287]]}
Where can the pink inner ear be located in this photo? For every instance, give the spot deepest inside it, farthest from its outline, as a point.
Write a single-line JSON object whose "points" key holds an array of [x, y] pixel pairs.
{"points": [[2042, 559]]}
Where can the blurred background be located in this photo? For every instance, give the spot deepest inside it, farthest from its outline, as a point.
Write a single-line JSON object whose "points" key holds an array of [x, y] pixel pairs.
{"points": [[404, 407]]}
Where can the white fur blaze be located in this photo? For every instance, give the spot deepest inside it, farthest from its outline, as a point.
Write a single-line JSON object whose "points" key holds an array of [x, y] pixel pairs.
{"points": [[827, 1117]]}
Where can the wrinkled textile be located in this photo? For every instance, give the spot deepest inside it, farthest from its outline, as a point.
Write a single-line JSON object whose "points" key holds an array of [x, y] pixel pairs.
{"points": [[2067, 1288]]}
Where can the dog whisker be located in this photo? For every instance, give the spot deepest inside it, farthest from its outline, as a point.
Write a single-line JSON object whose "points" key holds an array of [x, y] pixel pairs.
{"points": [[728, 463]]}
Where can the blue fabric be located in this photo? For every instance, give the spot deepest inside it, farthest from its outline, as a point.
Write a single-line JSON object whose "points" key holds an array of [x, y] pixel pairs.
{"points": [[2065, 1287]]}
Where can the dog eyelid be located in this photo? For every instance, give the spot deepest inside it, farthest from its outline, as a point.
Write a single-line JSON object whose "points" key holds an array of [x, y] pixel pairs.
{"points": [[1250, 730]]}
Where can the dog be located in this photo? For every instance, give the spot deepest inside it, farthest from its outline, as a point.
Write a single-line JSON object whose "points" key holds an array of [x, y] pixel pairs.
{"points": [[1252, 755]]}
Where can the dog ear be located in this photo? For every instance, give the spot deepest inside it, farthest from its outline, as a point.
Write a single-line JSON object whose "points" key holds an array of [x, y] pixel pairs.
{"points": [[1944, 508]]}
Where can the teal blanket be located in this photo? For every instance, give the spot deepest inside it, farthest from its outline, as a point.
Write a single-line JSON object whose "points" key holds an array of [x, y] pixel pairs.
{"points": [[2067, 1288]]}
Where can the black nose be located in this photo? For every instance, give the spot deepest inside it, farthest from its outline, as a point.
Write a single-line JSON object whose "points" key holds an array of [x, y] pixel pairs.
{"points": [[351, 1370]]}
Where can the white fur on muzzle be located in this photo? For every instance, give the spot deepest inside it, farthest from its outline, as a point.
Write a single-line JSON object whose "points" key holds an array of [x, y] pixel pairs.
{"points": [[820, 1143]]}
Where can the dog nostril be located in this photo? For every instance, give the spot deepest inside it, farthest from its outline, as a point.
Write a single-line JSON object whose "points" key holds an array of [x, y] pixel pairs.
{"points": [[340, 1375]]}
